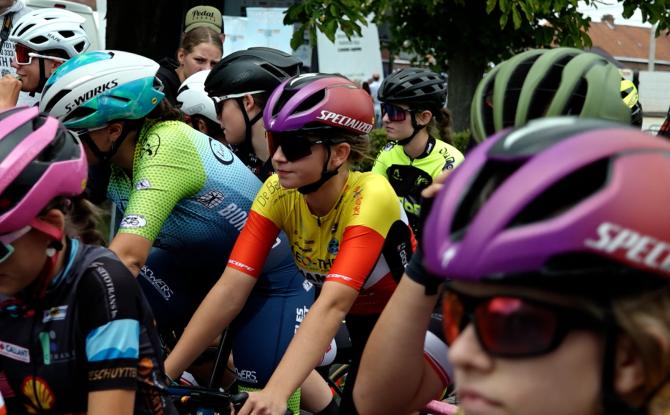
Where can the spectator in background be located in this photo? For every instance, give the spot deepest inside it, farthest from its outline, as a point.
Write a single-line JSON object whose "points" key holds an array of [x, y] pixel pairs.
{"points": [[10, 12], [366, 87], [204, 16], [375, 83]]}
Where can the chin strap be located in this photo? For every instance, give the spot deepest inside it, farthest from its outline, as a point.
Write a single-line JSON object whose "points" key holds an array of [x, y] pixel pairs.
{"points": [[248, 124], [416, 128], [106, 156], [325, 176]]}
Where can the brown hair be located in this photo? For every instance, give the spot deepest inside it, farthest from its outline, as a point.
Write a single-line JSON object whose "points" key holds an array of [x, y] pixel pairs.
{"points": [[199, 35], [82, 219], [440, 125]]}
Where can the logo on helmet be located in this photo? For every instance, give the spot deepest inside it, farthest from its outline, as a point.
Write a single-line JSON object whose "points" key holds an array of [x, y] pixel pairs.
{"points": [[345, 121], [70, 106], [631, 246]]}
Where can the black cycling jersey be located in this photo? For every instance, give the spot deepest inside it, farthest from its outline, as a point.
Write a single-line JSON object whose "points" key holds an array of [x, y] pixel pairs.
{"points": [[92, 331]]}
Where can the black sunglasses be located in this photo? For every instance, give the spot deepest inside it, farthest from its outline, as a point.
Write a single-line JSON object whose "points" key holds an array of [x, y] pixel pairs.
{"points": [[294, 145]]}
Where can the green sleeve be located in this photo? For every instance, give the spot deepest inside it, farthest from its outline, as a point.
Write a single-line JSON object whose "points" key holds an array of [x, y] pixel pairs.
{"points": [[166, 169], [380, 166]]}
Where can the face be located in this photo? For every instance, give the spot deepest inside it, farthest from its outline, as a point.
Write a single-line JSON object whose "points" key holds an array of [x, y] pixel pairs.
{"points": [[30, 73], [24, 264], [402, 126], [203, 56], [527, 385], [300, 171], [103, 140], [232, 121]]}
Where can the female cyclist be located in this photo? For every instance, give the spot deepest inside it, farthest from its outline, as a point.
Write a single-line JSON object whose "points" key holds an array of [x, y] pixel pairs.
{"points": [[45, 38], [183, 198], [412, 102], [347, 230], [77, 334], [558, 299], [200, 49], [197, 107], [240, 86]]}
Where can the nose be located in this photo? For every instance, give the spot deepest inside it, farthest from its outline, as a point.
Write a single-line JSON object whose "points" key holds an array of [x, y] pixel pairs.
{"points": [[466, 353], [14, 64], [278, 155]]}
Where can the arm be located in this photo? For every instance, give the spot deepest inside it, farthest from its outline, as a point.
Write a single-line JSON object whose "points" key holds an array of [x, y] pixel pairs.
{"points": [[132, 250], [305, 350], [217, 310], [111, 402], [394, 376]]}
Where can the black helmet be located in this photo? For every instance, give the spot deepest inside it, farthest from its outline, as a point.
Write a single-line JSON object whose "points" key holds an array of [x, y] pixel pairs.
{"points": [[251, 70], [416, 87]]}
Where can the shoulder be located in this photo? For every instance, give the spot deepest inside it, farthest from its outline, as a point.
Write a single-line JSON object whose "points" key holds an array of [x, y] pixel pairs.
{"points": [[107, 275], [372, 186], [451, 155]]}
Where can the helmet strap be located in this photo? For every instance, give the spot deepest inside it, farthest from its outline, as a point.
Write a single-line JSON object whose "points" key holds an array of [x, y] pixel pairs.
{"points": [[106, 156], [43, 78], [248, 124], [416, 128], [325, 176], [38, 288]]}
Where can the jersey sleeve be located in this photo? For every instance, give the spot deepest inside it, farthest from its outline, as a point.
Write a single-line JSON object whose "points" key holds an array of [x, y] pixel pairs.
{"points": [[380, 165], [166, 169], [260, 231], [110, 311], [374, 210], [452, 157]]}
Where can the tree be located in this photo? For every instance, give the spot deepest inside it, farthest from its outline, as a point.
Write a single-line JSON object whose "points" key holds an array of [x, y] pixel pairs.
{"points": [[462, 37]]}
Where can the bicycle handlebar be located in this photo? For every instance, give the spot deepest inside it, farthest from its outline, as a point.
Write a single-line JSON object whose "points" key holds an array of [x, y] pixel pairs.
{"points": [[209, 398]]}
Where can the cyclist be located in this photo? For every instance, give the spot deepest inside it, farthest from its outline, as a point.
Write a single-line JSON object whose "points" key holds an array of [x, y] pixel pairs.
{"points": [[549, 82], [411, 101], [559, 270], [347, 230], [240, 85], [77, 334], [183, 198], [44, 39], [198, 107], [200, 49]]}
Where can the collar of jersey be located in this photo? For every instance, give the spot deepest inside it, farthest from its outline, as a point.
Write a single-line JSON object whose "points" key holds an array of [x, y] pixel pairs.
{"points": [[73, 249]]}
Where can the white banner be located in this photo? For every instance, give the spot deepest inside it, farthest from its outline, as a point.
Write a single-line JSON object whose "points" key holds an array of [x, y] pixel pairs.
{"points": [[357, 59], [263, 26]]}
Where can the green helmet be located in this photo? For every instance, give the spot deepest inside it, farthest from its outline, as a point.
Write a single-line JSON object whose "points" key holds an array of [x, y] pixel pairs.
{"points": [[547, 82]]}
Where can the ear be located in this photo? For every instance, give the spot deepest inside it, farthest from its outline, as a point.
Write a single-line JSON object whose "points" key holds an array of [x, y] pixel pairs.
{"points": [[54, 217], [629, 369], [249, 104], [423, 117], [181, 53], [201, 126], [54, 65], [114, 130], [339, 153]]}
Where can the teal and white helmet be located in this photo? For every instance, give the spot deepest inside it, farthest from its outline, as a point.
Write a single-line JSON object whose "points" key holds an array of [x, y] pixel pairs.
{"points": [[192, 98], [94, 88]]}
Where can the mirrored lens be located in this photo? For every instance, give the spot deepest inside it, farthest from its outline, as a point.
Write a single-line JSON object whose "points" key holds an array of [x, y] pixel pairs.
{"points": [[394, 112]]}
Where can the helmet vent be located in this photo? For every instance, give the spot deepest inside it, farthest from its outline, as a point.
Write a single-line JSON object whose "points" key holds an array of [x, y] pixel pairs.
{"points": [[25, 29], [276, 72], [513, 91], [79, 113], [488, 179], [565, 194], [311, 102], [576, 103], [79, 47], [546, 90], [66, 33], [38, 40], [56, 98], [283, 99]]}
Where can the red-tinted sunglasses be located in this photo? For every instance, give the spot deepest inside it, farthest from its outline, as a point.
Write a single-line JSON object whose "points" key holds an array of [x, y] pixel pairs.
{"points": [[24, 56], [294, 145], [394, 112], [513, 327]]}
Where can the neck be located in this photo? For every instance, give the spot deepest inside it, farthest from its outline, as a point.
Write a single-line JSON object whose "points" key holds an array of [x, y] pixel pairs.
{"points": [[258, 141], [416, 147], [180, 74], [126, 154], [322, 201], [60, 262]]}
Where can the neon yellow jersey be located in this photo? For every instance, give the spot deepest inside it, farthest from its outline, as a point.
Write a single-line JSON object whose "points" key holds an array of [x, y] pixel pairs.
{"points": [[409, 177]]}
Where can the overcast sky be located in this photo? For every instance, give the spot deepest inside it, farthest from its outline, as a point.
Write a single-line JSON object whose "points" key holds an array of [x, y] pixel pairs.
{"points": [[612, 7]]}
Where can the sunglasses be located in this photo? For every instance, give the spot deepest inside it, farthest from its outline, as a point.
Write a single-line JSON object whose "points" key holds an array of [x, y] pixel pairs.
{"points": [[24, 56], [218, 101], [512, 327], [295, 146], [394, 112], [6, 248]]}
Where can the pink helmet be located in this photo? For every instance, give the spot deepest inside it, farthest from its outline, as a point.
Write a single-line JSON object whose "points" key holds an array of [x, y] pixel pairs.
{"points": [[560, 196], [39, 161], [317, 101]]}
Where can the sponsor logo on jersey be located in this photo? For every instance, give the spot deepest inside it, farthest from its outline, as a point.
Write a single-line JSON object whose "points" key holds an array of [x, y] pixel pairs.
{"points": [[358, 200], [143, 184], [235, 215], [211, 199], [112, 373], [161, 286], [306, 285], [345, 121], [40, 396], [14, 352], [632, 246], [389, 146], [55, 313], [133, 222], [300, 313], [221, 152], [333, 246], [151, 145], [70, 106], [248, 376]]}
